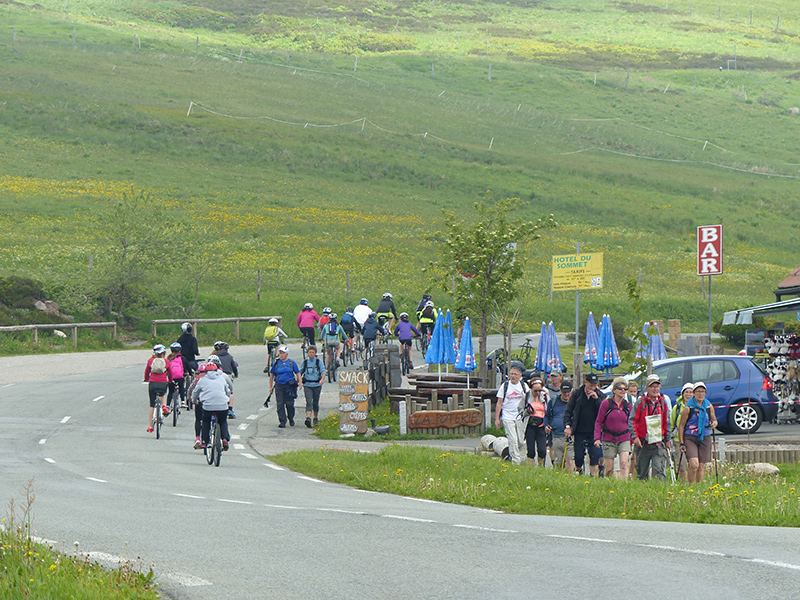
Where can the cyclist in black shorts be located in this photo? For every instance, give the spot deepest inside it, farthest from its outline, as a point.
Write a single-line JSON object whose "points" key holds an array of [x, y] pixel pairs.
{"points": [[404, 331], [427, 318], [386, 311], [307, 322]]}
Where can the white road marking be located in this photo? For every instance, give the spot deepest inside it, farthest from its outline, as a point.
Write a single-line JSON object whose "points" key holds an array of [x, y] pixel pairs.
{"points": [[252, 417], [189, 496], [98, 398], [274, 467], [6, 385], [283, 506], [65, 419], [687, 550], [233, 501], [584, 539], [339, 510], [773, 563], [236, 436], [485, 528], [184, 579], [402, 518], [238, 446], [248, 455], [242, 426], [310, 479], [43, 440], [50, 460], [422, 500], [97, 480]]}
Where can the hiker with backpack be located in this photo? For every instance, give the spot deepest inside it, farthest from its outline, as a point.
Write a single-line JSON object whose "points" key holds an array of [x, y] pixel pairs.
{"points": [[611, 429], [694, 432], [510, 414], [579, 419], [157, 375], [312, 372], [535, 433], [649, 429], [554, 426], [678, 457]]}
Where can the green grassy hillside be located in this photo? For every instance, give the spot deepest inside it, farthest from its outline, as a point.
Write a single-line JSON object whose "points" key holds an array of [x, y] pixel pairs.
{"points": [[297, 160]]}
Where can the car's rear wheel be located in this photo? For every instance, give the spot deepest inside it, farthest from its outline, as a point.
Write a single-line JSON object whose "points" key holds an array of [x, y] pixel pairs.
{"points": [[744, 417]]}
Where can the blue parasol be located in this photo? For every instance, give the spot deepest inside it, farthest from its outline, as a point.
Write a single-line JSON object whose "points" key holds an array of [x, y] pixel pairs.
{"points": [[590, 352], [541, 350], [553, 353], [449, 349], [655, 346], [434, 352], [465, 361], [607, 351]]}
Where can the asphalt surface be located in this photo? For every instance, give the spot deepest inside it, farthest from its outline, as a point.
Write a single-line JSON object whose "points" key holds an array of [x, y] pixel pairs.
{"points": [[251, 529]]}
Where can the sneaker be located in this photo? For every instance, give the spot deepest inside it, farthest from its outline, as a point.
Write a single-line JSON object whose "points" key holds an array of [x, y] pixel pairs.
{"points": [[202, 446], [282, 425], [149, 430], [316, 421], [224, 445], [308, 423], [165, 410], [291, 422], [266, 369], [197, 444], [230, 414], [184, 406], [410, 365]]}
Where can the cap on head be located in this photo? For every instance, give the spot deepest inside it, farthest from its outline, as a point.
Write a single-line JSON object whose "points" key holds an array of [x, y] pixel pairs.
{"points": [[566, 386], [651, 379], [556, 373], [591, 378], [687, 386], [700, 384], [283, 349]]}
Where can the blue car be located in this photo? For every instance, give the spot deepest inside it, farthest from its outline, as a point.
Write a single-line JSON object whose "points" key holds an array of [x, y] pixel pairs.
{"points": [[739, 389]]}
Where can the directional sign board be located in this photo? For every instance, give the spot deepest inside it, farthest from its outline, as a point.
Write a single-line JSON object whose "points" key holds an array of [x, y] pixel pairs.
{"points": [[578, 272]]}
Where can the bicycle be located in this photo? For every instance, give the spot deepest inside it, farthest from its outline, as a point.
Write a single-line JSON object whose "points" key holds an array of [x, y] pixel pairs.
{"points": [[306, 343], [424, 340], [358, 347], [347, 352], [175, 406], [330, 362], [213, 449], [271, 350], [405, 360], [158, 417], [527, 350]]}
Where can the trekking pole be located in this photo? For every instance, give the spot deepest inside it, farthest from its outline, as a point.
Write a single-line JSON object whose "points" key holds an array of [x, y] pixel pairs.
{"points": [[714, 448], [671, 465], [564, 458]]}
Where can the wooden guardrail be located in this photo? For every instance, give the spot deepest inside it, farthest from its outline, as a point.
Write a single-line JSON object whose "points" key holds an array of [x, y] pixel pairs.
{"points": [[194, 322], [74, 326]]}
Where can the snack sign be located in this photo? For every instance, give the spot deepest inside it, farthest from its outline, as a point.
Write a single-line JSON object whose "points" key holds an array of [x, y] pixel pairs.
{"points": [[353, 401]]}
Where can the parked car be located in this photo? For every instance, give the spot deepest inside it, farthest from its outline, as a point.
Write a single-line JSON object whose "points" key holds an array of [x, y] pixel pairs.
{"points": [[739, 388]]}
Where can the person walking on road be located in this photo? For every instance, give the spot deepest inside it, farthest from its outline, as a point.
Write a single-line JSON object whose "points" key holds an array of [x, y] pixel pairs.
{"points": [[512, 396], [694, 430], [611, 429], [535, 433], [284, 380], [312, 372], [579, 419], [649, 428], [554, 426]]}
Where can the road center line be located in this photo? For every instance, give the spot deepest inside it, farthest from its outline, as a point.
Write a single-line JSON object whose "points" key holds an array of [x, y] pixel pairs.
{"points": [[238, 446], [189, 496], [185, 580], [283, 506], [50, 460], [310, 479], [42, 441], [687, 550], [274, 467], [773, 563], [233, 501], [98, 398], [402, 518], [97, 480], [479, 528], [65, 419], [252, 417], [236, 436], [340, 510], [248, 455], [584, 539]]}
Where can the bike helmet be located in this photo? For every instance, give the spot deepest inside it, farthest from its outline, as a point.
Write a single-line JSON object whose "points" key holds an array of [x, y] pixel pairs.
{"points": [[373, 314], [308, 306], [387, 295], [186, 328], [326, 310], [175, 346], [159, 349], [404, 316], [223, 345], [426, 297], [349, 309], [217, 345], [214, 359], [334, 316], [429, 303], [364, 301], [273, 321]]}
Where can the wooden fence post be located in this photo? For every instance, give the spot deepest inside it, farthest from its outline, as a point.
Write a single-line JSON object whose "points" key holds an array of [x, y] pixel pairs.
{"points": [[155, 327], [74, 337], [236, 329], [35, 335]]}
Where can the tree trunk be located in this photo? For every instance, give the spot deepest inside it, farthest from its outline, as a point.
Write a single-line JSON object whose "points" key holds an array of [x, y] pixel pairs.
{"points": [[483, 371]]}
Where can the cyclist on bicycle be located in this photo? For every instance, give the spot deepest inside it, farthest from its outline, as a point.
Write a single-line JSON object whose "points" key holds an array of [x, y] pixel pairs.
{"points": [[213, 393], [427, 319], [349, 324], [421, 305], [178, 372], [362, 312], [386, 310], [158, 376], [332, 336], [371, 329], [273, 335], [324, 320], [307, 321], [189, 349], [403, 333], [229, 366]]}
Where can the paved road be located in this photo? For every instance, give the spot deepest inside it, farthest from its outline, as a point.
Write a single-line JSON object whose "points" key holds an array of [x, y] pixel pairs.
{"points": [[251, 529]]}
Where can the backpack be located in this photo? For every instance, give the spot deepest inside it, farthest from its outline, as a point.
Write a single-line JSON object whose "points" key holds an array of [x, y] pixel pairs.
{"points": [[332, 327], [525, 392], [626, 407], [347, 318], [176, 367], [304, 371], [427, 312], [159, 365]]}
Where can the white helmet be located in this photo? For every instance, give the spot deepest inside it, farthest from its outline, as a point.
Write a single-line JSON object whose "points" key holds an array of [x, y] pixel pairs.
{"points": [[186, 328], [429, 303], [326, 310], [309, 306], [387, 295], [283, 349]]}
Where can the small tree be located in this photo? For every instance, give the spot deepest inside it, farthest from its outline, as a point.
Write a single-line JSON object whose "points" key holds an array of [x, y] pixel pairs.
{"points": [[636, 332], [484, 254]]}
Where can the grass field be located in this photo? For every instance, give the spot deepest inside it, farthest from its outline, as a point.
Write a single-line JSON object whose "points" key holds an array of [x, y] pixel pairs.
{"points": [[615, 117]]}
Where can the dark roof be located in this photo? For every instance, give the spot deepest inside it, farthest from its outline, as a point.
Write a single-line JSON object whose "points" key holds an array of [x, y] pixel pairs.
{"points": [[792, 281]]}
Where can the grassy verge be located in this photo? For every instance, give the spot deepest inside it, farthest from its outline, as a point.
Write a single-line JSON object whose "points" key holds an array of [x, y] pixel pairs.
{"points": [[738, 498], [32, 570]]}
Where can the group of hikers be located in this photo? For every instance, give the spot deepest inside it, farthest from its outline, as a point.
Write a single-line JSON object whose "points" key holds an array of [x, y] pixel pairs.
{"points": [[538, 417]]}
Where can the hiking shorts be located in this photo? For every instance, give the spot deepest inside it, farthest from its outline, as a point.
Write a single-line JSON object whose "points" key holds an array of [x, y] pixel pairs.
{"points": [[698, 449], [613, 449]]}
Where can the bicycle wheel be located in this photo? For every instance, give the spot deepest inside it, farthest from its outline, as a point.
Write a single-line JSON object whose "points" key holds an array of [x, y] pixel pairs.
{"points": [[404, 361], [209, 449], [304, 346], [158, 420], [329, 363], [217, 444]]}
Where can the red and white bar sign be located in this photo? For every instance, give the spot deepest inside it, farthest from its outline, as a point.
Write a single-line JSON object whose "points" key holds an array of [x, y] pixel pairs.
{"points": [[709, 250]]}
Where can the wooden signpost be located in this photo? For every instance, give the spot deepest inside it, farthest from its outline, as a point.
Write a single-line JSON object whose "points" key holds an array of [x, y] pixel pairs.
{"points": [[353, 401]]}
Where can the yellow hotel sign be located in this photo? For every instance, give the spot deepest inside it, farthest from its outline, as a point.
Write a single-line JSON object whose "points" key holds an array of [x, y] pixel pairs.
{"points": [[577, 272]]}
